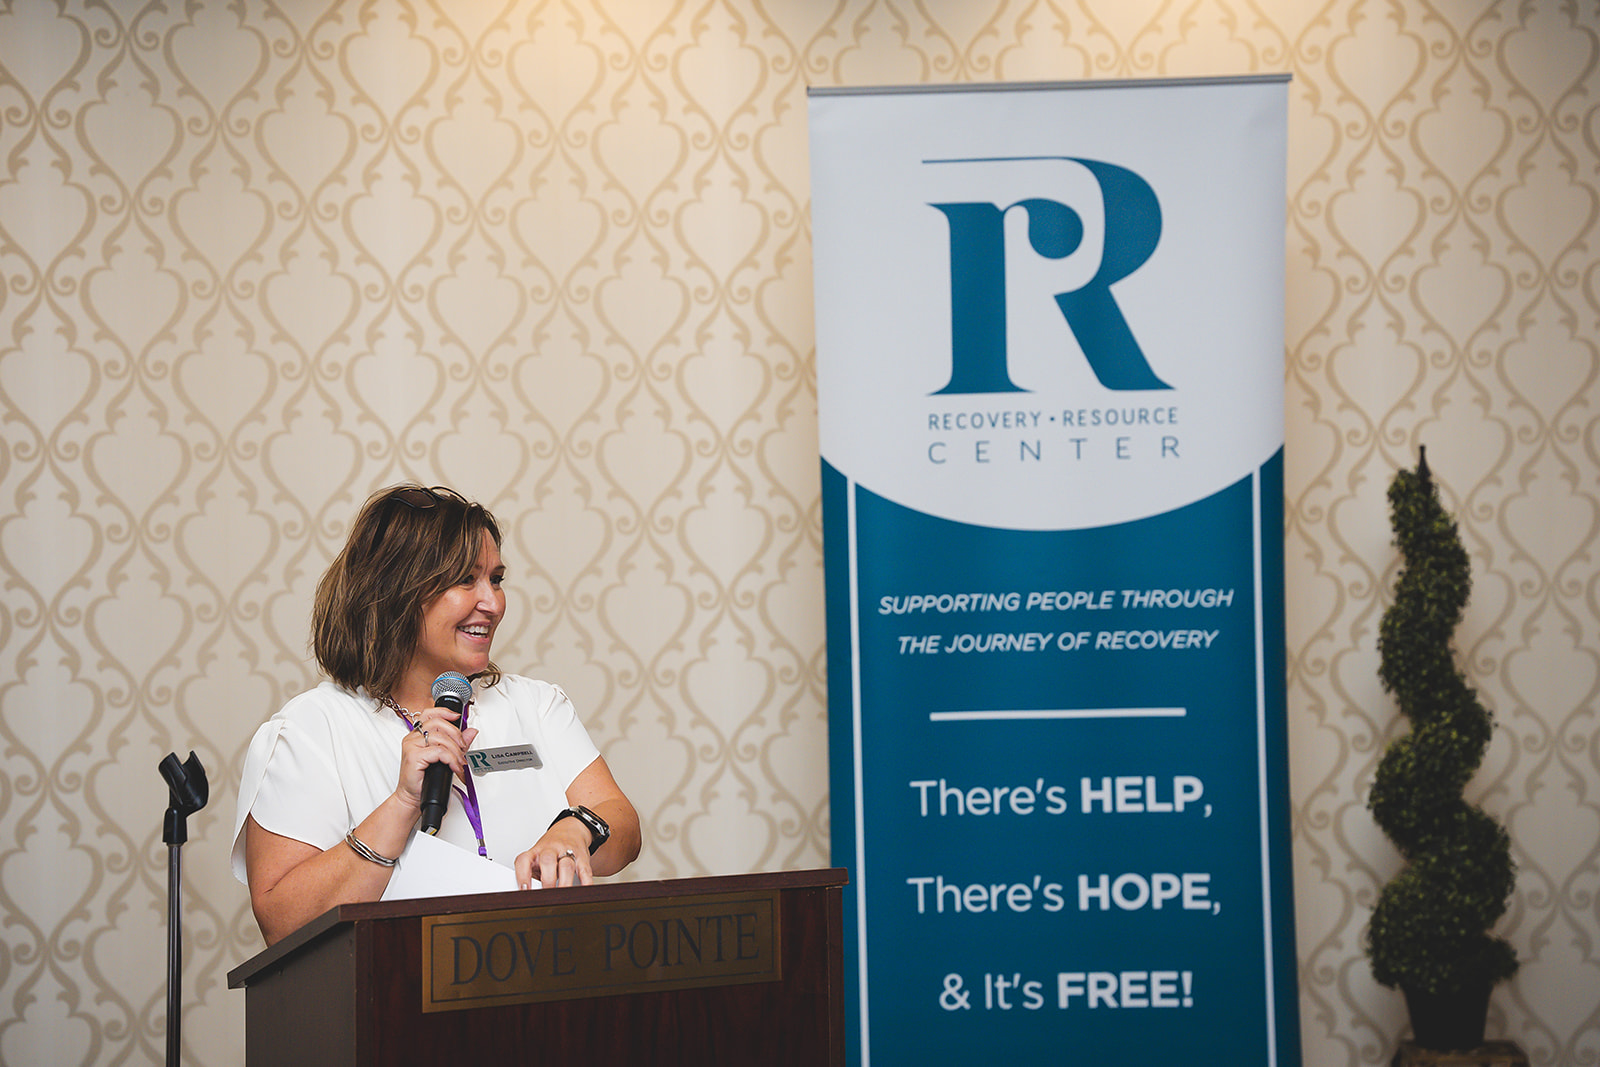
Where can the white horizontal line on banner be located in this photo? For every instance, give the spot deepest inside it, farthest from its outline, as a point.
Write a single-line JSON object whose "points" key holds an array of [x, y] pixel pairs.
{"points": [[1061, 713]]}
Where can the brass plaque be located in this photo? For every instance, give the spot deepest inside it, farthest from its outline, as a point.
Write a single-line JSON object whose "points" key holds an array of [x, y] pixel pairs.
{"points": [[523, 955]]}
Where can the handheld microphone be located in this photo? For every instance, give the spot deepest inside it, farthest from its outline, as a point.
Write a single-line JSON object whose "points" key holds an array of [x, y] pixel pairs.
{"points": [[451, 691]]}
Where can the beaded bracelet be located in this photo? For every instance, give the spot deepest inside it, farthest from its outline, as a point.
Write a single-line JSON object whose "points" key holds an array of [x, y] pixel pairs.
{"points": [[361, 849]]}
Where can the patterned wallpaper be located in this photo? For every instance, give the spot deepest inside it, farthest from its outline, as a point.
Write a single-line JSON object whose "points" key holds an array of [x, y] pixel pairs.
{"points": [[257, 259]]}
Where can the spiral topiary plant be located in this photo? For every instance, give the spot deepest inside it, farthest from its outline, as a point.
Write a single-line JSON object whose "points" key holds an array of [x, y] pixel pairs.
{"points": [[1430, 930]]}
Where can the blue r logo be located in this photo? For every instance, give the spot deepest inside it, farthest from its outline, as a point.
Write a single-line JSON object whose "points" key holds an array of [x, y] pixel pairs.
{"points": [[1055, 231]]}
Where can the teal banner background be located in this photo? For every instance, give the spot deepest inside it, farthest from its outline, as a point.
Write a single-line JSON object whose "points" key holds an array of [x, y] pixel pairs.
{"points": [[960, 960]]}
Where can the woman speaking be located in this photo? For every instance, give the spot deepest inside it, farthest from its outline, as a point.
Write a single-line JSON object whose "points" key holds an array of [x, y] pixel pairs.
{"points": [[333, 784]]}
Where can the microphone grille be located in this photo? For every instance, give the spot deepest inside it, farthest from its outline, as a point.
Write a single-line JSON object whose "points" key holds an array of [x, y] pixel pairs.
{"points": [[452, 683]]}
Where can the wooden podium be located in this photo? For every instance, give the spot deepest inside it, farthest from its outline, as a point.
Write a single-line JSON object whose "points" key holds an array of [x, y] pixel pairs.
{"points": [[743, 969]]}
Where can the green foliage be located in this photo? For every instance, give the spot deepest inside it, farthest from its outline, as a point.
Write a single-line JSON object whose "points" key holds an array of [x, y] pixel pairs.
{"points": [[1430, 929]]}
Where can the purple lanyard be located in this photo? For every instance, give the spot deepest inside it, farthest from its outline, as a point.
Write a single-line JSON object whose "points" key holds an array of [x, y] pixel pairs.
{"points": [[469, 796]]}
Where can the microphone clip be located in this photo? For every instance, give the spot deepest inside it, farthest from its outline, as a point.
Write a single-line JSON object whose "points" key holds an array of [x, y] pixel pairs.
{"points": [[187, 793]]}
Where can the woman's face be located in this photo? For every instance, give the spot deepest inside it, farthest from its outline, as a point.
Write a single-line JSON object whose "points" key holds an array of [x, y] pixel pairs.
{"points": [[458, 625]]}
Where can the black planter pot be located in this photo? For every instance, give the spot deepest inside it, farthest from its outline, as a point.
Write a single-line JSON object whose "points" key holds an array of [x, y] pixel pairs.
{"points": [[1449, 1021]]}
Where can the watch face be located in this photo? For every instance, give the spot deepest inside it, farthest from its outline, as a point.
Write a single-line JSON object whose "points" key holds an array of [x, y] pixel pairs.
{"points": [[597, 825], [599, 832]]}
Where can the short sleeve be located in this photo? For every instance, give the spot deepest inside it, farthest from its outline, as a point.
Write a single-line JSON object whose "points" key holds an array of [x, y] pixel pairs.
{"points": [[569, 749], [291, 789]]}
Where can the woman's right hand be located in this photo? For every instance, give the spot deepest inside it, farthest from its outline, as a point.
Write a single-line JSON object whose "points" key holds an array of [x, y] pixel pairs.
{"points": [[436, 739]]}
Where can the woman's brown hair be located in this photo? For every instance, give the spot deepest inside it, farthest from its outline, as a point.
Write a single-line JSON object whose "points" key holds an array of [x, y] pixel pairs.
{"points": [[408, 545]]}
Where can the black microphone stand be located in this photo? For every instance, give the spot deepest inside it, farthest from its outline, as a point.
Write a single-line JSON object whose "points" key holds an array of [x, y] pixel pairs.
{"points": [[187, 793]]}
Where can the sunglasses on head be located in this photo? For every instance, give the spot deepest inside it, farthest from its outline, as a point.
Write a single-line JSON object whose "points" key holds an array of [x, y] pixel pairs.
{"points": [[418, 497], [415, 497]]}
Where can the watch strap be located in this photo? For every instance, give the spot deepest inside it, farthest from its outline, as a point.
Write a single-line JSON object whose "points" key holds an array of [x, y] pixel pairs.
{"points": [[598, 829]]}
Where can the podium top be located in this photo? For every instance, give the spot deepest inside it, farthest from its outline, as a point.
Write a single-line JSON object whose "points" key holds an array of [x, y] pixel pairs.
{"points": [[383, 910]]}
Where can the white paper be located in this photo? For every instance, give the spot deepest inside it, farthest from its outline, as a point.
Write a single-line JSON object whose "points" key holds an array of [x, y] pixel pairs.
{"points": [[432, 868]]}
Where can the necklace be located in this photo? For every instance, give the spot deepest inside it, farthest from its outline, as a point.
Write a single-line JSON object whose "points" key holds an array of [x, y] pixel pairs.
{"points": [[404, 713]]}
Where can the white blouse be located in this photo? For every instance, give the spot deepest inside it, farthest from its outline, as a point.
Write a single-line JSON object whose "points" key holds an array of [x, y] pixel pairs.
{"points": [[330, 757]]}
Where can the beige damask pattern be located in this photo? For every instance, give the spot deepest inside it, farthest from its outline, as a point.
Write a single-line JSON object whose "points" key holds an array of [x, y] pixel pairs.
{"points": [[257, 259]]}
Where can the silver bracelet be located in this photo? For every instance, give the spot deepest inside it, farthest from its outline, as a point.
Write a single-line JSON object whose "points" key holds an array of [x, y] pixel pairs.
{"points": [[360, 848]]}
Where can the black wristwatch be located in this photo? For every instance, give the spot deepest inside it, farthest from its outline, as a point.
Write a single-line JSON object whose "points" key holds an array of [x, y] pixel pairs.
{"points": [[597, 826]]}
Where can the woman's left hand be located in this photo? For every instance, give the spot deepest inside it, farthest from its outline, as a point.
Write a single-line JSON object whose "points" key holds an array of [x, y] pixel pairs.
{"points": [[560, 857]]}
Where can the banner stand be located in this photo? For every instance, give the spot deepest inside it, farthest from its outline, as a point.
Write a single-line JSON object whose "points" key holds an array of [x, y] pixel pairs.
{"points": [[1050, 396]]}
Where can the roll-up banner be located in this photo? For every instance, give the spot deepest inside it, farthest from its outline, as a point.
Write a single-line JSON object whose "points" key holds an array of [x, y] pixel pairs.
{"points": [[1050, 391]]}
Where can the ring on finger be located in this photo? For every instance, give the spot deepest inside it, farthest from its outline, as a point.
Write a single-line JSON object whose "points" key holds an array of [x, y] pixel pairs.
{"points": [[568, 855], [424, 737]]}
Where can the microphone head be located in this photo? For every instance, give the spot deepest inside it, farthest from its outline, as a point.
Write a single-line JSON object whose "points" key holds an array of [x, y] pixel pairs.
{"points": [[452, 684]]}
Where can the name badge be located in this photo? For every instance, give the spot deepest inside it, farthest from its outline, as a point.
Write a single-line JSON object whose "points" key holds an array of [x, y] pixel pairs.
{"points": [[483, 761]]}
